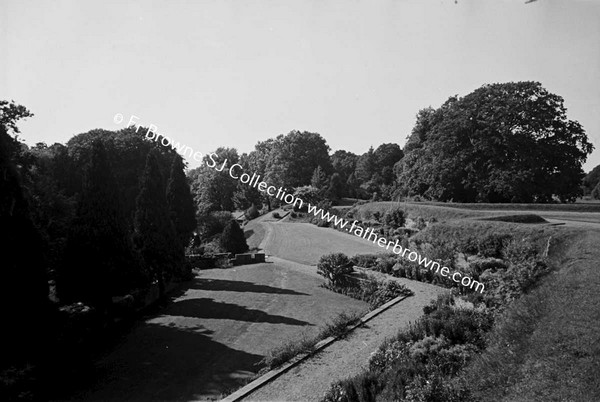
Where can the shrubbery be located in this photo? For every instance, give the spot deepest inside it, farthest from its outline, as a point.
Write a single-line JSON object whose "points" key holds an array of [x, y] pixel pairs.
{"points": [[373, 291], [334, 267], [417, 363], [252, 213], [365, 260], [233, 239], [394, 218]]}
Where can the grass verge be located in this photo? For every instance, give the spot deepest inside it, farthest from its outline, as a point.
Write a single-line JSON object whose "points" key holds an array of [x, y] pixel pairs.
{"points": [[306, 344]]}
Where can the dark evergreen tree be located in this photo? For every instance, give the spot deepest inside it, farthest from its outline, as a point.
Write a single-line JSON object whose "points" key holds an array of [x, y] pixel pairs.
{"points": [[24, 298], [181, 202], [233, 239], [336, 187], [319, 179], [155, 235], [99, 261]]}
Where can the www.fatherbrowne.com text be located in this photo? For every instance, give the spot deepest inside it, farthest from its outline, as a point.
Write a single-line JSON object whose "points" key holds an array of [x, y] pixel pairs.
{"points": [[236, 172]]}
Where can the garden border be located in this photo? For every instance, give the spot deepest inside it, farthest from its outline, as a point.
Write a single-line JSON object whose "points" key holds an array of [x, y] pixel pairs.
{"points": [[273, 374]]}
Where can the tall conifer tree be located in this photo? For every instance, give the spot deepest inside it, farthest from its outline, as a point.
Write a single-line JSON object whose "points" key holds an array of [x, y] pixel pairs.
{"points": [[99, 260], [155, 235], [181, 202]]}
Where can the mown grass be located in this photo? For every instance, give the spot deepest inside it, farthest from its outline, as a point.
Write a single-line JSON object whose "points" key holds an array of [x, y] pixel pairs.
{"points": [[575, 207], [547, 344], [427, 212], [306, 344]]}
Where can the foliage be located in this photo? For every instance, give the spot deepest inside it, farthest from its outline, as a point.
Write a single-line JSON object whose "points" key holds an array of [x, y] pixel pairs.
{"points": [[591, 180], [394, 218], [245, 196], [212, 186], [417, 364], [276, 215], [492, 244], [507, 142], [309, 195], [596, 192], [233, 239], [344, 164], [290, 160], [180, 202], [252, 212], [24, 298], [335, 191], [319, 179], [365, 260], [334, 267], [215, 223], [155, 236], [99, 261]]}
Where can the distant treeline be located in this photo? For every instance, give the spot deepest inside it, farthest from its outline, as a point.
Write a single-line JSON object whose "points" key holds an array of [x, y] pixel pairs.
{"points": [[507, 142]]}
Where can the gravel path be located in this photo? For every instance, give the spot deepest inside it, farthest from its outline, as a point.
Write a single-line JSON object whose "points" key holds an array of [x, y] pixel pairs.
{"points": [[312, 378]]}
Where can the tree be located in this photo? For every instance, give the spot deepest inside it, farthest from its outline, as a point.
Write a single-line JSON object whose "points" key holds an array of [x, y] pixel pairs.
{"points": [[308, 194], [366, 166], [507, 142], [213, 190], [591, 180], [386, 156], [344, 163], [319, 179], [336, 187], [99, 262], [155, 235], [394, 218], [233, 239], [181, 203], [295, 156], [334, 267], [127, 151], [246, 196], [24, 298], [596, 192]]}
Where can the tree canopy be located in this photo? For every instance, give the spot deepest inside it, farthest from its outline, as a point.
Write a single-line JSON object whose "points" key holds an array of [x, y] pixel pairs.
{"points": [[508, 142]]}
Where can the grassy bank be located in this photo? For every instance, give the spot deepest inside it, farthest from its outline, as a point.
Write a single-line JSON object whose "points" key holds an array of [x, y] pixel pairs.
{"points": [[500, 348]]}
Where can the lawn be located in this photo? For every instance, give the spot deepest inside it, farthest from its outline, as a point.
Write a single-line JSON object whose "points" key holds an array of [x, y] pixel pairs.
{"points": [[211, 337]]}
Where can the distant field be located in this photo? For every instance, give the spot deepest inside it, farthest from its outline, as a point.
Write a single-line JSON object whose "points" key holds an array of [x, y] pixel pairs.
{"points": [[415, 209], [587, 206]]}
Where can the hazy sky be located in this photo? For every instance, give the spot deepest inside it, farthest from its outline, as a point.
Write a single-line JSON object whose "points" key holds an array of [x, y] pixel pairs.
{"points": [[212, 73]]}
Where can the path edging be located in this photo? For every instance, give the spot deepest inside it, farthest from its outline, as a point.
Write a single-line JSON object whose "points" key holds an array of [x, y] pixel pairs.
{"points": [[272, 374]]}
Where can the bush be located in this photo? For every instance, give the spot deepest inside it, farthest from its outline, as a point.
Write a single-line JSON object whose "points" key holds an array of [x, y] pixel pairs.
{"points": [[365, 260], [517, 251], [252, 213], [215, 223], [394, 218], [276, 215], [323, 224], [492, 245], [334, 267], [233, 239]]}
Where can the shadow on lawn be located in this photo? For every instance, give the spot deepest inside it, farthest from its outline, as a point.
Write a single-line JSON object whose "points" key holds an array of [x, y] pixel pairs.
{"points": [[208, 308], [159, 362], [240, 286]]}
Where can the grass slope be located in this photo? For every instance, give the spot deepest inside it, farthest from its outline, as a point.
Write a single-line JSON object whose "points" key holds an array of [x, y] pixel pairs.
{"points": [[548, 346]]}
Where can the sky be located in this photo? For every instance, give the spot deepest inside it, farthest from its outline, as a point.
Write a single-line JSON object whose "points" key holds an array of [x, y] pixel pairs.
{"points": [[232, 73]]}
